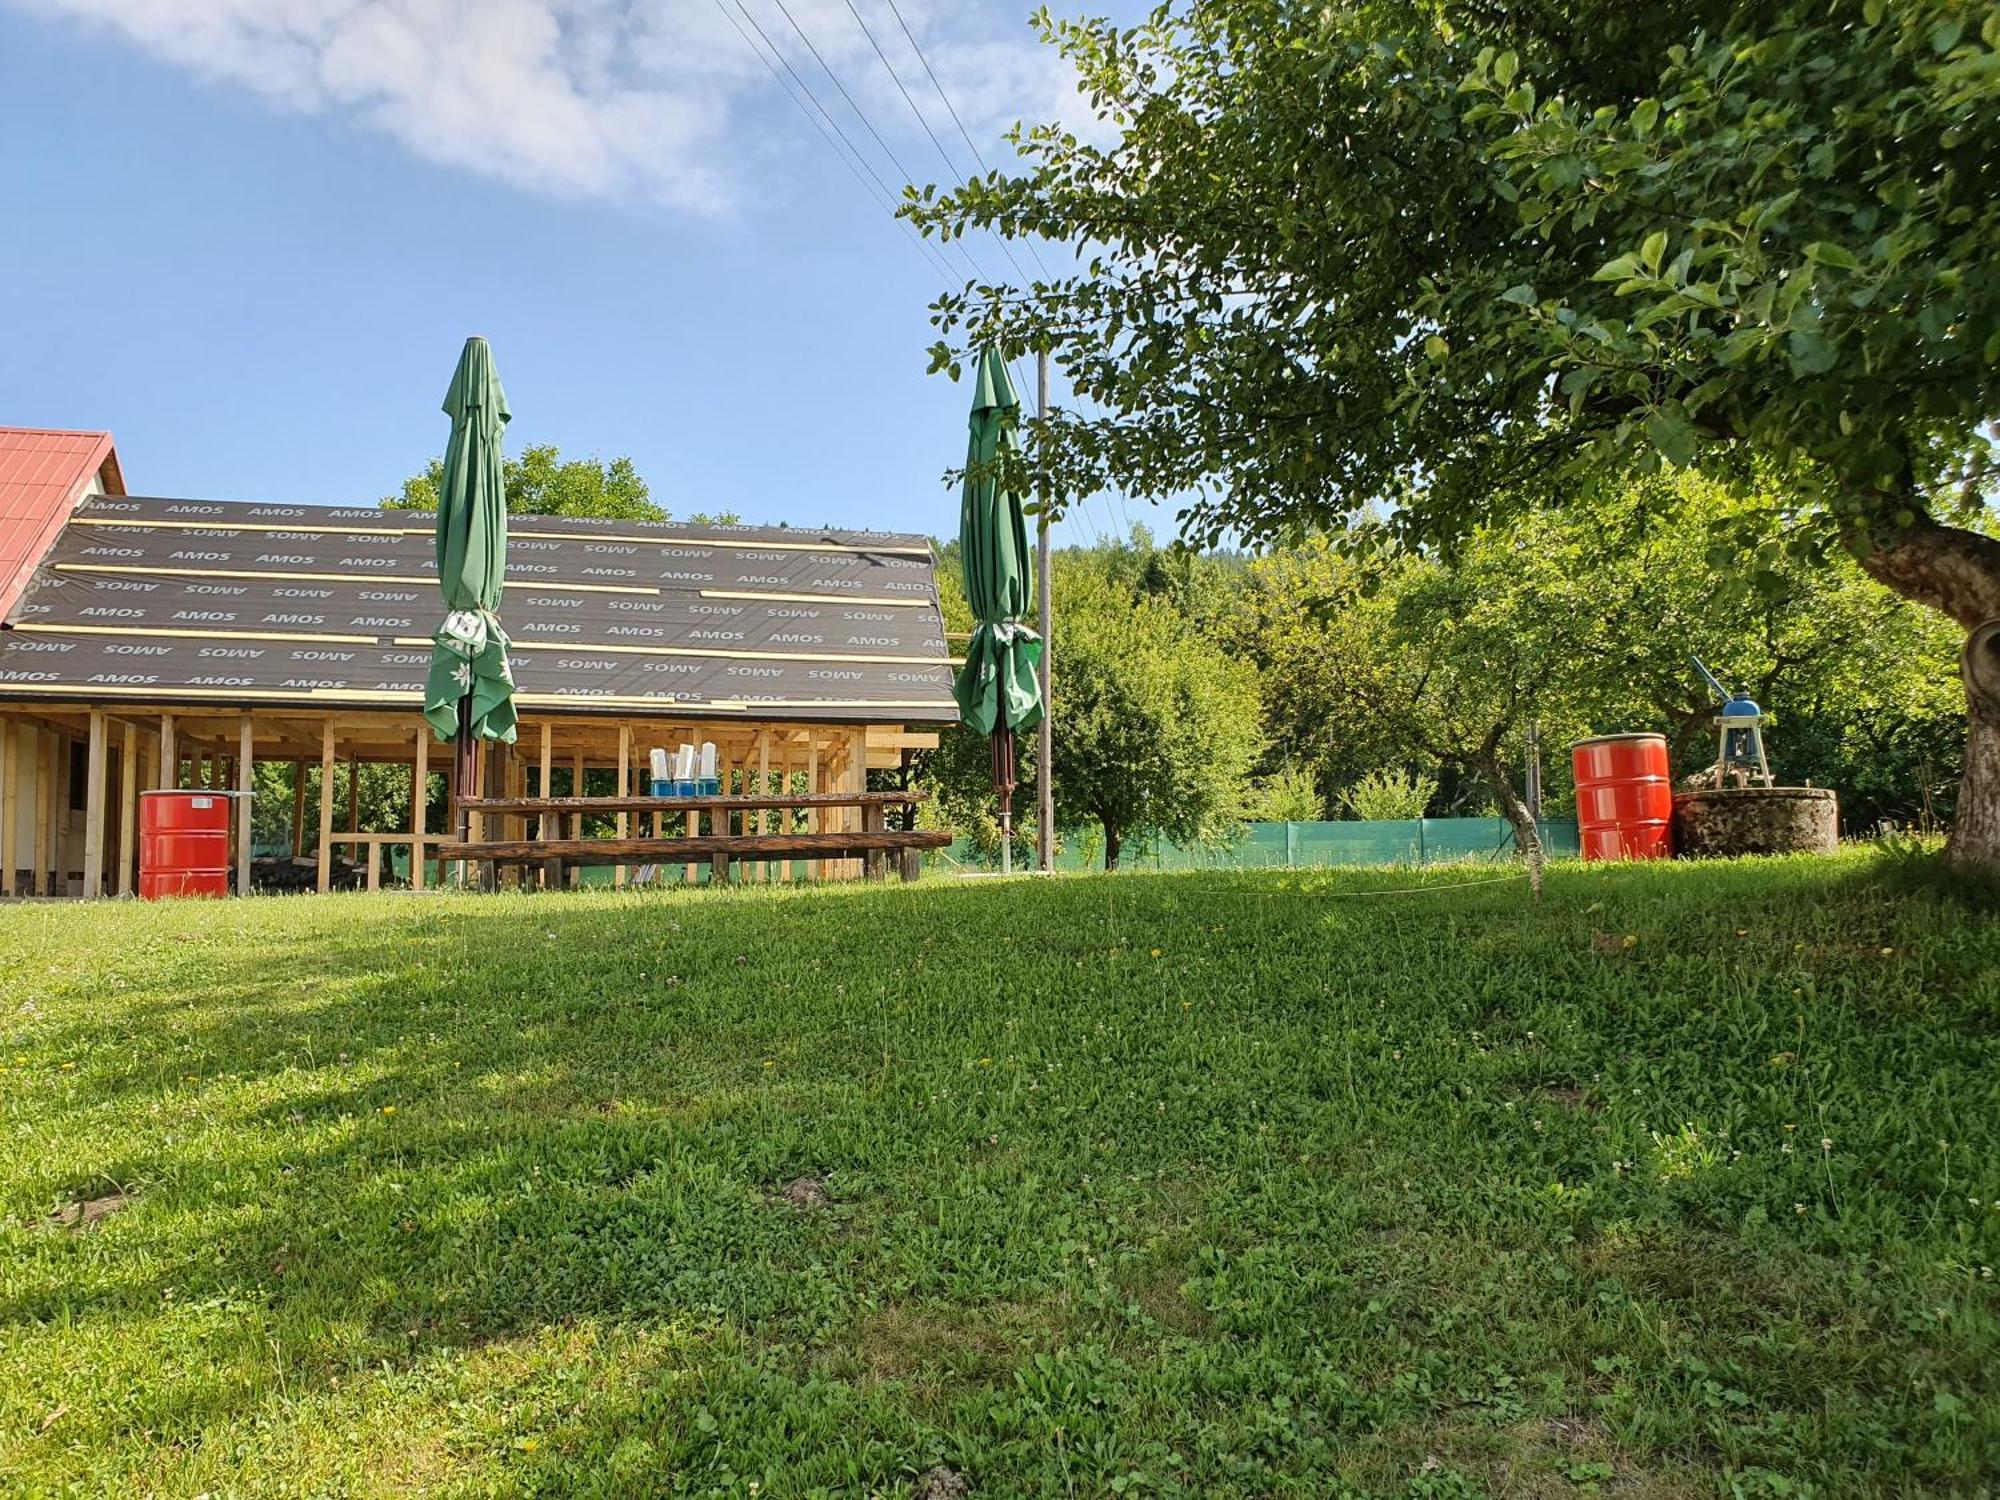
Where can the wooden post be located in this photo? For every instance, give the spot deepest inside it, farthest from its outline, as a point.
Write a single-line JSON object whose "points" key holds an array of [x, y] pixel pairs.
{"points": [[815, 868], [624, 790], [298, 808], [59, 798], [170, 765], [785, 819], [577, 781], [128, 807], [10, 803], [326, 806], [420, 801], [374, 865], [763, 790], [246, 783], [42, 878], [94, 788], [354, 794], [547, 788]]}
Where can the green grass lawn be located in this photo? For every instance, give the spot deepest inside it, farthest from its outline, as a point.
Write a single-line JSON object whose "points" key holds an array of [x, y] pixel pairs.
{"points": [[1680, 1183]]}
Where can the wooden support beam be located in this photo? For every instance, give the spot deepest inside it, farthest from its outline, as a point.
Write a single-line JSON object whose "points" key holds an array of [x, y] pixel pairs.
{"points": [[624, 790], [128, 807], [763, 789], [785, 820], [96, 763], [170, 761], [547, 828], [246, 783], [59, 798], [420, 801], [10, 804], [815, 869], [325, 881], [44, 880], [576, 781], [298, 808]]}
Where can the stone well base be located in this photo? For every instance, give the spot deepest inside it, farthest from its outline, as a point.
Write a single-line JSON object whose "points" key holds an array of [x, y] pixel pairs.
{"points": [[1725, 821]]}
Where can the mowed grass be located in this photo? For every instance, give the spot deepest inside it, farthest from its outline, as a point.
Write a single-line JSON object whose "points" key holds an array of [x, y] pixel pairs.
{"points": [[1681, 1182]]}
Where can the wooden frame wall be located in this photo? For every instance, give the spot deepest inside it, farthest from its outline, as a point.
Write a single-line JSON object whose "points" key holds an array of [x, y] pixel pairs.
{"points": [[130, 748]]}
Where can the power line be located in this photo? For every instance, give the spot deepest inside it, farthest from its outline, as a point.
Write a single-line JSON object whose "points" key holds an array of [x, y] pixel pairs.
{"points": [[950, 166], [886, 199], [977, 154], [862, 115]]}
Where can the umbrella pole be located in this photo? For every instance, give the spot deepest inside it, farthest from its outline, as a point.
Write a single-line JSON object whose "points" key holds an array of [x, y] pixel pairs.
{"points": [[1003, 781], [464, 768]]}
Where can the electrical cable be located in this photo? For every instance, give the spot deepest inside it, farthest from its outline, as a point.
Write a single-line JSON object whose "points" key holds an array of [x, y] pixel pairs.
{"points": [[886, 198]]}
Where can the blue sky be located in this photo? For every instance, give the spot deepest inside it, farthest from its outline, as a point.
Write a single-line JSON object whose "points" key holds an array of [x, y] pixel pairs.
{"points": [[249, 236]]}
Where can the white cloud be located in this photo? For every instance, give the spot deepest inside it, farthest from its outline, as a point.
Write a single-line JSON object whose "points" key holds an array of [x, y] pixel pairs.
{"points": [[658, 100]]}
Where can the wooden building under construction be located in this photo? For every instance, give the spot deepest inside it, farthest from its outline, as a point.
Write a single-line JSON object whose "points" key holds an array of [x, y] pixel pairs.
{"points": [[159, 643]]}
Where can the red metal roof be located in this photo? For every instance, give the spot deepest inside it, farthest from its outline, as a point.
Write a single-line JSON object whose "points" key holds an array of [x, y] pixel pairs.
{"points": [[43, 474]]}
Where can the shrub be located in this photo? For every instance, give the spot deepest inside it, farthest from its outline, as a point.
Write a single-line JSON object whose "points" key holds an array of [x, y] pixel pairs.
{"points": [[1386, 796]]}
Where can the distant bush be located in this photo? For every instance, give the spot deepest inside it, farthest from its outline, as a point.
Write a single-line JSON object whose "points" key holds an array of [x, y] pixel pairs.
{"points": [[1287, 796], [1389, 796]]}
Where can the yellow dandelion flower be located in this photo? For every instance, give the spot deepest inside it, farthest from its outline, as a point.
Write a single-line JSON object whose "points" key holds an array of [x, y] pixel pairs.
{"points": [[388, 1109], [1631, 940], [770, 1062], [1156, 953]]}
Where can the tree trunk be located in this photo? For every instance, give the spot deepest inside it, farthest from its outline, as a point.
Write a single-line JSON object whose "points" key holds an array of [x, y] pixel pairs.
{"points": [[1112, 840], [1527, 837], [1975, 828], [1957, 572]]}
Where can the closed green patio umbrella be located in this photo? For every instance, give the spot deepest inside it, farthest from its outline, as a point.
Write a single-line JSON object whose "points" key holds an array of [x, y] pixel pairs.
{"points": [[997, 690], [470, 691]]}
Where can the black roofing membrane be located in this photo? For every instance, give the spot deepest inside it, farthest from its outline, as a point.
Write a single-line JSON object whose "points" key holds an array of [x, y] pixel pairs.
{"points": [[172, 599]]}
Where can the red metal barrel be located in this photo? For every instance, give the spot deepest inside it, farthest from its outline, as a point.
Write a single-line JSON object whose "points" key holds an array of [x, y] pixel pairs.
{"points": [[1624, 796], [183, 844]]}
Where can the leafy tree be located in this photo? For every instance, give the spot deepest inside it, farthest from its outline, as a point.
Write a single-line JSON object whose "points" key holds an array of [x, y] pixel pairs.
{"points": [[541, 482], [1469, 258], [1155, 727], [1155, 723], [1320, 673]]}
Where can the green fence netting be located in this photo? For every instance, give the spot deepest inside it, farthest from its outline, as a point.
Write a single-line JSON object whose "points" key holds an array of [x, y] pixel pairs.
{"points": [[1409, 841]]}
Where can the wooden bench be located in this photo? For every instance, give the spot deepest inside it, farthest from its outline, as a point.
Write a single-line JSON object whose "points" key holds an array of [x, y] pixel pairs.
{"points": [[872, 846]]}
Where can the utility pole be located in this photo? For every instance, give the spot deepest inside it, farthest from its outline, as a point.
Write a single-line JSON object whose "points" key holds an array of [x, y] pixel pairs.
{"points": [[1534, 778], [1045, 793]]}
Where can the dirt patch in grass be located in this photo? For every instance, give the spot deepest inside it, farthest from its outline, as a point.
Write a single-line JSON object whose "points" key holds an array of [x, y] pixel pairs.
{"points": [[88, 1213], [806, 1193], [942, 1483]]}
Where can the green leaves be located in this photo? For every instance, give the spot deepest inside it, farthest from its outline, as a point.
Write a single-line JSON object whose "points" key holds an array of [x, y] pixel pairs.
{"points": [[1811, 352], [1669, 431], [1829, 253]]}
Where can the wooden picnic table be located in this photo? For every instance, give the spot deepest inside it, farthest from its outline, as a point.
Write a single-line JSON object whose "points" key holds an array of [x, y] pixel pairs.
{"points": [[560, 845]]}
